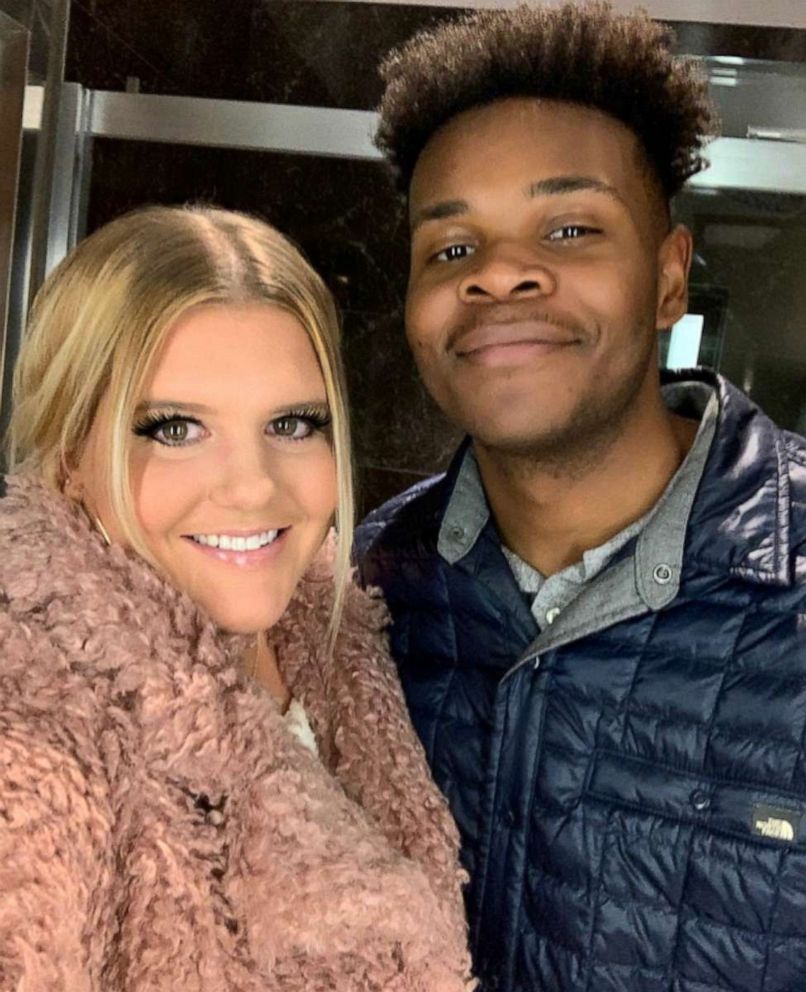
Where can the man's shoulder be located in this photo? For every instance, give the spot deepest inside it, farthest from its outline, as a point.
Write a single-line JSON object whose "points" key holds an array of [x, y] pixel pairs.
{"points": [[795, 448], [410, 519], [750, 511]]}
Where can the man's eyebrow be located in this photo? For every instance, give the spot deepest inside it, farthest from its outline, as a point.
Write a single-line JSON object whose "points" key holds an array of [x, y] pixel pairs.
{"points": [[438, 211], [554, 186], [571, 184]]}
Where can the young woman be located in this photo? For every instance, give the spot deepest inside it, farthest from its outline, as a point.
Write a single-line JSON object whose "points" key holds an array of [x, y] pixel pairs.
{"points": [[208, 782]]}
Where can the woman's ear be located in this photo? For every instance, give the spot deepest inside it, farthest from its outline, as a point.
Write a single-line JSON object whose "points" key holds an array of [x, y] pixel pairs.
{"points": [[674, 262], [73, 487]]}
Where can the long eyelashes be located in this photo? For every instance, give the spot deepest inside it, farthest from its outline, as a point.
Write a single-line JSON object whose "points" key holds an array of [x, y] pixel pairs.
{"points": [[174, 429], [157, 422], [317, 417]]}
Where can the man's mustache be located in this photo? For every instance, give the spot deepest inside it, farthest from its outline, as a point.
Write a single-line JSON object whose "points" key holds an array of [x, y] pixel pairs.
{"points": [[493, 315]]}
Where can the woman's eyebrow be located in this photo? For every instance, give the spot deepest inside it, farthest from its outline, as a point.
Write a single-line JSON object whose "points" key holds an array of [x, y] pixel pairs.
{"points": [[296, 404], [147, 405]]}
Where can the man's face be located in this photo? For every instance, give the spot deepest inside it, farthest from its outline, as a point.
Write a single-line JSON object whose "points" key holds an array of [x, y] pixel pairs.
{"points": [[540, 272]]}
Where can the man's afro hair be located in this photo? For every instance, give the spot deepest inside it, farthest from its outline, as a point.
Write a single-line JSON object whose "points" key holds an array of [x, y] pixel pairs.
{"points": [[581, 53]]}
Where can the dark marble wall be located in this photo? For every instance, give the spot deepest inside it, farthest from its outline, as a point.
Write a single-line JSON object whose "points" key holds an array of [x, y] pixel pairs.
{"points": [[344, 214], [281, 51], [298, 51]]}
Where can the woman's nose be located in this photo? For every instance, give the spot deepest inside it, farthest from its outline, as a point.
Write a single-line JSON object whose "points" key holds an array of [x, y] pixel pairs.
{"points": [[244, 479]]}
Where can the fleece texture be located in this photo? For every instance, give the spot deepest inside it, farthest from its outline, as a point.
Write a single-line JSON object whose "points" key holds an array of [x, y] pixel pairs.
{"points": [[161, 828]]}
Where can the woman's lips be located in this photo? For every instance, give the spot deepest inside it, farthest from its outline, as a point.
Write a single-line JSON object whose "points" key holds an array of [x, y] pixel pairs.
{"points": [[243, 559]]}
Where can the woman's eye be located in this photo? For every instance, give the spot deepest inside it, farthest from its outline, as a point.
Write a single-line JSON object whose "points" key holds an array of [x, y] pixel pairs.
{"points": [[571, 232], [454, 253], [172, 431], [176, 433], [295, 428]]}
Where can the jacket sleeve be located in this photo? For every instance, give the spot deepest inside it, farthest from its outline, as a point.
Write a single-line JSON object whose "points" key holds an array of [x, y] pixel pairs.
{"points": [[52, 837]]}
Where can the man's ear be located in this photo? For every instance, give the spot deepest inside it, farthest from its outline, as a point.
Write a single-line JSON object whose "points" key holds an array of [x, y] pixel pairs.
{"points": [[674, 262]]}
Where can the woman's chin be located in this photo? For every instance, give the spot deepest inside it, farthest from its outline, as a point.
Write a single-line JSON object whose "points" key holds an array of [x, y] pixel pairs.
{"points": [[236, 622]]}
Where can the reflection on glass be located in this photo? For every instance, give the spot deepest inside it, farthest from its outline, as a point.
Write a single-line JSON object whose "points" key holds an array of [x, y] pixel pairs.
{"points": [[748, 281], [683, 349]]}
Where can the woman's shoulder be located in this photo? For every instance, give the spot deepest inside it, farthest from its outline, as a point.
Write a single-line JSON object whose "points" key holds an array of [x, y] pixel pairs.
{"points": [[46, 545], [63, 630], [45, 696], [50, 728]]}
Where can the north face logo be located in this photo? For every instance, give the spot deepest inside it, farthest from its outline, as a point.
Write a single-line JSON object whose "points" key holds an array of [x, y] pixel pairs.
{"points": [[779, 829], [776, 823]]}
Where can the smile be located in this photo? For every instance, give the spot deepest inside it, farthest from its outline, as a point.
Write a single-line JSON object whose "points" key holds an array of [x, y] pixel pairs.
{"points": [[237, 542], [536, 335]]}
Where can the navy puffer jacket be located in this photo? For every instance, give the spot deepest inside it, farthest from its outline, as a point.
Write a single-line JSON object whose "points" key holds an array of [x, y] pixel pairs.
{"points": [[631, 800]]}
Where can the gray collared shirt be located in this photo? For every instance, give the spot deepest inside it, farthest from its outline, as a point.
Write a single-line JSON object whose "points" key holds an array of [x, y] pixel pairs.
{"points": [[662, 528]]}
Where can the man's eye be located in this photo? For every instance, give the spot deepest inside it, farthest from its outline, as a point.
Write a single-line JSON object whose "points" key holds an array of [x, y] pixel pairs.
{"points": [[454, 253], [570, 232]]}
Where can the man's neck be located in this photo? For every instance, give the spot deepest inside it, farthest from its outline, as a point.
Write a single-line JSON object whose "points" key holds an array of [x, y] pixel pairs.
{"points": [[550, 512]]}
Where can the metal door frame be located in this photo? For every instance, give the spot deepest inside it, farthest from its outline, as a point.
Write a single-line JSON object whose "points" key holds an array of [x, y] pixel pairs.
{"points": [[764, 13], [14, 47]]}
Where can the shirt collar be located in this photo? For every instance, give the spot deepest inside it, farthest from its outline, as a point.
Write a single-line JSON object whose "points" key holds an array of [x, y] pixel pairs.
{"points": [[659, 551], [467, 512]]}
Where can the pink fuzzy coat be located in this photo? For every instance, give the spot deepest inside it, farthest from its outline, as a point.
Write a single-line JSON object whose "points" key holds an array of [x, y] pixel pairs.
{"points": [[161, 829]]}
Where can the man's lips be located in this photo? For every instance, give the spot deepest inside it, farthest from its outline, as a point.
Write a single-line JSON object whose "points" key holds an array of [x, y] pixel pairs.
{"points": [[543, 336]]}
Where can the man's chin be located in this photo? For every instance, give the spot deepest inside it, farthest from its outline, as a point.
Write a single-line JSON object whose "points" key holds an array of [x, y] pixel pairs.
{"points": [[516, 435], [534, 446]]}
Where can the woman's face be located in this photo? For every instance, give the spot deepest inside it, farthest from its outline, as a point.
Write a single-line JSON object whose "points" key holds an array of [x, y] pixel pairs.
{"points": [[233, 475]]}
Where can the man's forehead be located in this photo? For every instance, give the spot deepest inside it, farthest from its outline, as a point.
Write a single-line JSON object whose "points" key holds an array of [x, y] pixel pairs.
{"points": [[538, 148]]}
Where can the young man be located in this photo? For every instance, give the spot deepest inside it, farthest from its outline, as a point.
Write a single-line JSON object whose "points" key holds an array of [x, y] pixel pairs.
{"points": [[599, 611]]}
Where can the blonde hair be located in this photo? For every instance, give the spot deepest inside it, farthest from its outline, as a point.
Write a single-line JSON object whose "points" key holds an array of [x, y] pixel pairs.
{"points": [[101, 317]]}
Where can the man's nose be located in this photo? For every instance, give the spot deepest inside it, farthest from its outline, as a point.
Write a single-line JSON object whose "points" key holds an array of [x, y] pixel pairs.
{"points": [[506, 273]]}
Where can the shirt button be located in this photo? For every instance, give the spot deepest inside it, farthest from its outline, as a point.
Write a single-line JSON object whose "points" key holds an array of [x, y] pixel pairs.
{"points": [[457, 533], [662, 574], [552, 614], [700, 800]]}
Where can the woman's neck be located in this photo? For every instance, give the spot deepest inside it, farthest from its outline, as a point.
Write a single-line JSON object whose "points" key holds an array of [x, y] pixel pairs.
{"points": [[260, 664]]}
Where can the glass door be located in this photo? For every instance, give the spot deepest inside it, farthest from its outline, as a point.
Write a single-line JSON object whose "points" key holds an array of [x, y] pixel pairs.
{"points": [[14, 43]]}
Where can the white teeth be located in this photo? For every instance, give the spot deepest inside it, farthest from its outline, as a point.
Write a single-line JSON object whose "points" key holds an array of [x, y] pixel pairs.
{"points": [[228, 543]]}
